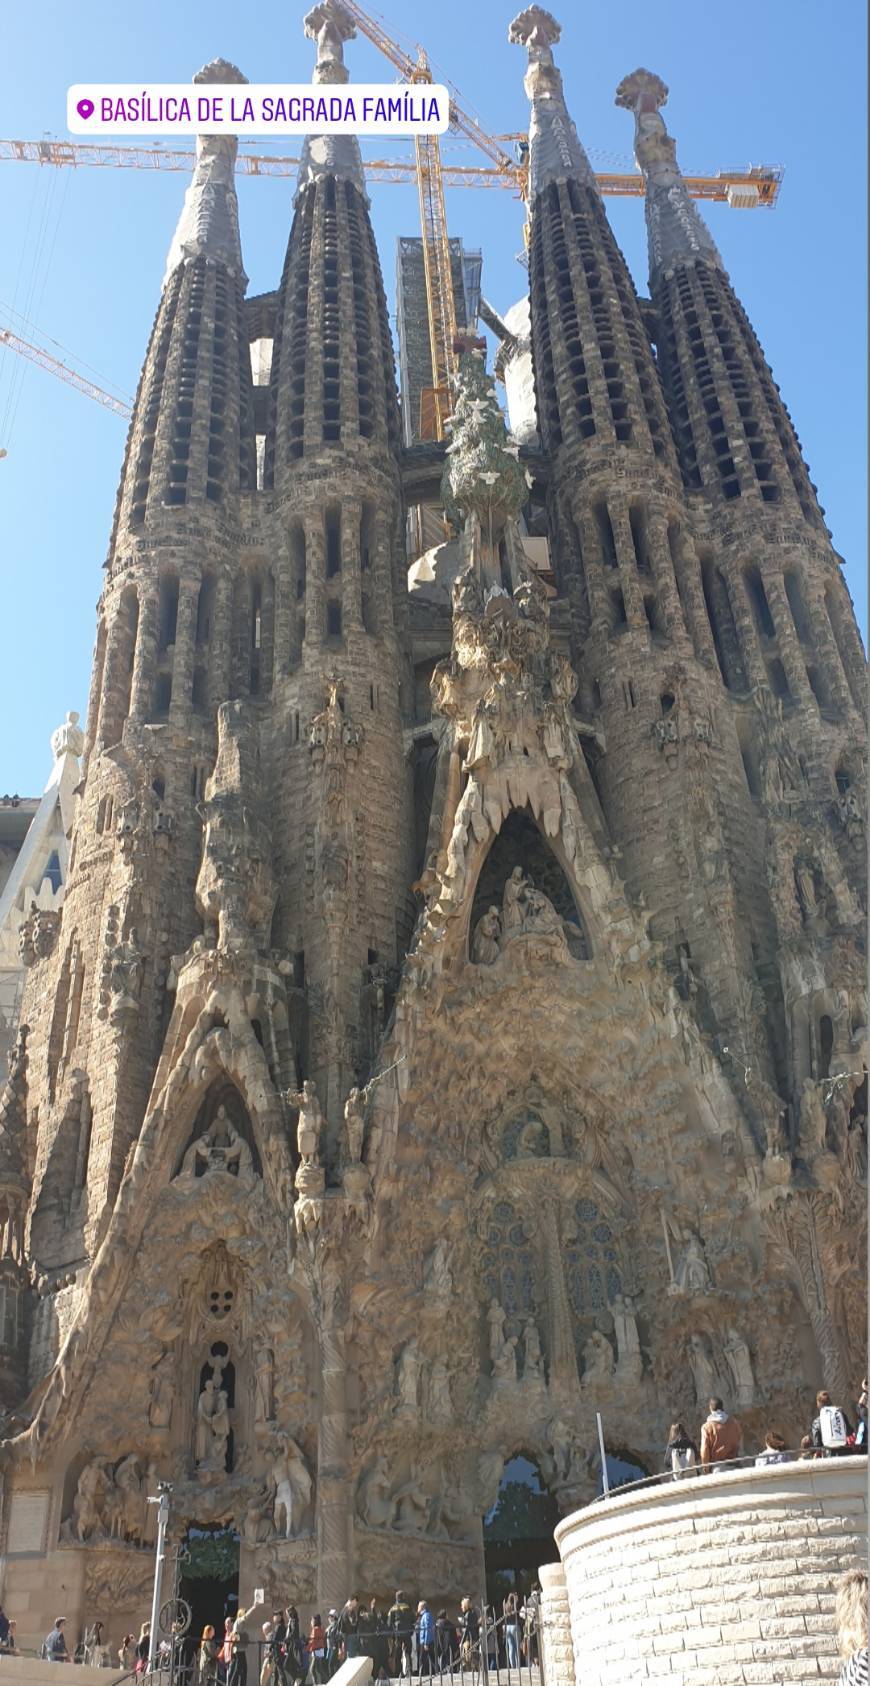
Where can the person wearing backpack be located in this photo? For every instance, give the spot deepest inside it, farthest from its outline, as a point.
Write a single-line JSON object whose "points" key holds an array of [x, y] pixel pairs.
{"points": [[681, 1454], [831, 1427]]}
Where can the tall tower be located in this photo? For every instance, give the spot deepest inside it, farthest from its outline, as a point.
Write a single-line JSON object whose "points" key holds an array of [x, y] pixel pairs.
{"points": [[335, 525]]}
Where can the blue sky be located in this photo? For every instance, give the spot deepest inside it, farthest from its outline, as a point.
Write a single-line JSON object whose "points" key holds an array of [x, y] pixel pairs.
{"points": [[82, 252]]}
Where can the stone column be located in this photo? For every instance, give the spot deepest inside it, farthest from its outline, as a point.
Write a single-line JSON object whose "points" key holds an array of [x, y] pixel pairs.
{"points": [[145, 658], [315, 577], [382, 569], [557, 1646], [183, 658], [627, 571], [220, 645], [351, 581], [334, 1497]]}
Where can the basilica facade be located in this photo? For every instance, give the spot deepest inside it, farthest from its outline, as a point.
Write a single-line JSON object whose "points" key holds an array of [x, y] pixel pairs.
{"points": [[455, 1024]]}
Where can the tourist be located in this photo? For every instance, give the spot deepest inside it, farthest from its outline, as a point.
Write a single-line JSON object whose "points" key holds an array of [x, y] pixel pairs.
{"points": [[225, 1650], [237, 1673], [681, 1453], [54, 1644], [10, 1647], [4, 1628], [348, 1623], [774, 1449], [333, 1643], [316, 1652], [400, 1625], [469, 1634], [425, 1632], [831, 1427], [294, 1662], [852, 1628], [720, 1437], [511, 1631], [860, 1440], [207, 1657], [143, 1647], [267, 1654], [529, 1622], [95, 1649], [445, 1642], [377, 1627], [127, 1651]]}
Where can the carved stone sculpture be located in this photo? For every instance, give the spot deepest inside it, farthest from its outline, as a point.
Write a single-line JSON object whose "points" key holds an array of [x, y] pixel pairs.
{"points": [[375, 1502], [93, 1485], [161, 1390], [692, 1275], [264, 1368], [629, 1363], [703, 1369], [437, 1278], [739, 1361], [409, 1369], [597, 1359], [485, 942], [125, 967], [310, 1123], [219, 1148], [813, 1124], [533, 1368], [212, 1427], [293, 1487]]}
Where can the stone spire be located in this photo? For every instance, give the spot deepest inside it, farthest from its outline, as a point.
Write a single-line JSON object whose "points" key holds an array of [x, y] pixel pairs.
{"points": [[209, 223], [555, 151], [330, 155], [677, 232]]}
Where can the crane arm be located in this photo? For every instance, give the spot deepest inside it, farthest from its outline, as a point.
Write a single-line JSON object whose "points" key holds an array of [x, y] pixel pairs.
{"points": [[44, 360]]}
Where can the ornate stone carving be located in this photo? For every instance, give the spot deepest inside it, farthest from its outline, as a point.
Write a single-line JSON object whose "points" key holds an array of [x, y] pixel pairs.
{"points": [[692, 1274], [220, 1148], [629, 1363], [235, 890], [598, 1362], [739, 1362], [107, 1505], [291, 1479], [38, 934], [212, 1427], [161, 1388]]}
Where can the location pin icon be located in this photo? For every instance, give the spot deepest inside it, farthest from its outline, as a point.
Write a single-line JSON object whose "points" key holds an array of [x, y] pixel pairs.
{"points": [[85, 108]]}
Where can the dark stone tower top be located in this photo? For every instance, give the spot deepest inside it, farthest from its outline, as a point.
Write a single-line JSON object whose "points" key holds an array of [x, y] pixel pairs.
{"points": [[191, 439], [556, 153], [595, 376], [333, 383], [677, 231]]}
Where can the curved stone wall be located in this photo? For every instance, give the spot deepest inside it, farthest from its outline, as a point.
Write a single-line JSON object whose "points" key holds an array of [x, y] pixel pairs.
{"points": [[719, 1580]]}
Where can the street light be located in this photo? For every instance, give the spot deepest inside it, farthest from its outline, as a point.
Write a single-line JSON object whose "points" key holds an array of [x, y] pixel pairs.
{"points": [[164, 1492]]}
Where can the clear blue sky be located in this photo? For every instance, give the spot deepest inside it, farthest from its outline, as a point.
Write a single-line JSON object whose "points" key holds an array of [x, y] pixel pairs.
{"points": [[776, 83]]}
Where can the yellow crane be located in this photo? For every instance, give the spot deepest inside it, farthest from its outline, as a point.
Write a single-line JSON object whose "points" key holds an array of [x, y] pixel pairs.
{"points": [[44, 359]]}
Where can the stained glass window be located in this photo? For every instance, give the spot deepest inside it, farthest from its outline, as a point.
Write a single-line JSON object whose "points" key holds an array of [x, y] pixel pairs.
{"points": [[508, 1271], [591, 1260]]}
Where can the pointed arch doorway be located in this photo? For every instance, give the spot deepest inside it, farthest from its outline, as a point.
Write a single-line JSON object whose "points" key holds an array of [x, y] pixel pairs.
{"points": [[518, 1531]]}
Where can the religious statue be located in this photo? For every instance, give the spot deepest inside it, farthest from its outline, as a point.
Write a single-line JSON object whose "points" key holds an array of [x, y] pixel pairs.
{"points": [[739, 1361], [126, 962], [212, 1427], [496, 1320], [504, 1361], [354, 1124], [693, 1273], [219, 1148], [533, 1368], [161, 1389], [412, 1505], [703, 1371], [91, 1490], [409, 1367], [310, 1124], [293, 1487], [485, 947], [533, 1141], [440, 1405], [257, 1521], [811, 910], [629, 1363], [375, 1501], [127, 1506], [597, 1359], [512, 901], [264, 1369], [569, 1458], [436, 1271]]}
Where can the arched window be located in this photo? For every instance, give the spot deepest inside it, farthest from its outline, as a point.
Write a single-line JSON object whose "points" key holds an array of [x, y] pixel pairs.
{"points": [[508, 1270], [521, 843], [591, 1260]]}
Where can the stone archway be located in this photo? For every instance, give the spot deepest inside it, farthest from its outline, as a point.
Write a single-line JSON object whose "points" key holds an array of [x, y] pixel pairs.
{"points": [[518, 1531], [521, 843]]}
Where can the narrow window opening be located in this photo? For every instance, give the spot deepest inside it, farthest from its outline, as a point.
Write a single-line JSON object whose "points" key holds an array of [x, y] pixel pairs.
{"points": [[167, 614], [667, 700], [299, 968], [760, 605], [637, 522], [204, 608], [333, 619], [605, 534], [778, 680], [826, 1045], [198, 690], [617, 602], [333, 543]]}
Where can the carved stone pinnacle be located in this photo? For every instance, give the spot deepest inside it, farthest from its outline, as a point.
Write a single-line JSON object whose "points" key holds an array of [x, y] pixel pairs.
{"points": [[642, 91], [219, 70], [534, 28]]}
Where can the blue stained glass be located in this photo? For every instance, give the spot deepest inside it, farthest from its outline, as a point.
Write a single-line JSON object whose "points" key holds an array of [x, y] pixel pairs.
{"points": [[504, 1213], [610, 1253], [596, 1293], [587, 1211], [591, 1252], [601, 1232], [614, 1284], [516, 1235]]}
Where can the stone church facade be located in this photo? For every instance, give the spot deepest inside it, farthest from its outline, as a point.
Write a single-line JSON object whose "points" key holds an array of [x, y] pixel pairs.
{"points": [[419, 1068]]}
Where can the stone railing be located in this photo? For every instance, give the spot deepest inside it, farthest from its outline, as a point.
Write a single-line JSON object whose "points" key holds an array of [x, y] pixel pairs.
{"points": [[726, 1578]]}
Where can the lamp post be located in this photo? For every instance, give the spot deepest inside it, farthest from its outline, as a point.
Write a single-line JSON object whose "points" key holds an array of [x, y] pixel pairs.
{"points": [[164, 1491]]}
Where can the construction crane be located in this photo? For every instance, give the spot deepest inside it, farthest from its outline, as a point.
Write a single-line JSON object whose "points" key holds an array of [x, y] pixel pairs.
{"points": [[754, 188], [44, 359]]}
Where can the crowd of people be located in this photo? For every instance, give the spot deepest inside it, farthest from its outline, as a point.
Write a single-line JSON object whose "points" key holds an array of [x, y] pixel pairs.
{"points": [[402, 1641], [721, 1439]]}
